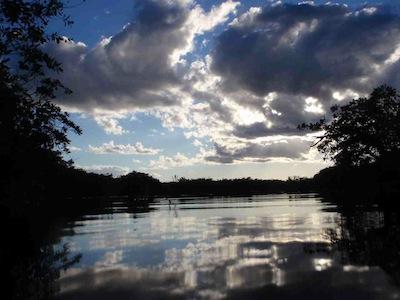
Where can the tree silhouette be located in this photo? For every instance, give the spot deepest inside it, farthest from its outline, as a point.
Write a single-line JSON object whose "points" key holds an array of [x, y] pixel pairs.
{"points": [[33, 129], [364, 131]]}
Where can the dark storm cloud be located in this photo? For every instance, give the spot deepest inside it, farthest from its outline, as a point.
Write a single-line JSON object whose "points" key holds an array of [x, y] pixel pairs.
{"points": [[260, 129], [290, 149], [133, 64], [141, 66], [306, 50]]}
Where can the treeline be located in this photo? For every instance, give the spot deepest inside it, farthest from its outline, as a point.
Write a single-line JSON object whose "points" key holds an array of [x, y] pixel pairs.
{"points": [[233, 187], [377, 182], [373, 181], [69, 182], [380, 179]]}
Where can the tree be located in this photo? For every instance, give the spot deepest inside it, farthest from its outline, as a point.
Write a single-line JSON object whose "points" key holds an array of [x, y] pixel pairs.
{"points": [[363, 131], [33, 129]]}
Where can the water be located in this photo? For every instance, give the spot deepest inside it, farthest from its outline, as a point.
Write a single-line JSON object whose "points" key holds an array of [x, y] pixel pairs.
{"points": [[275, 246]]}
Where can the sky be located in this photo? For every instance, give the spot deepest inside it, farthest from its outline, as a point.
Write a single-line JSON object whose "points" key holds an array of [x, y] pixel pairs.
{"points": [[216, 89]]}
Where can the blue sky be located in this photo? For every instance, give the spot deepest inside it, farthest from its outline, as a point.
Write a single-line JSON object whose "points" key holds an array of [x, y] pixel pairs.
{"points": [[216, 88]]}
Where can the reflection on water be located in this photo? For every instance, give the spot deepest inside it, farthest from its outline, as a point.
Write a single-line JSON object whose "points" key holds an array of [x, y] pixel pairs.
{"points": [[245, 248], [31, 271]]}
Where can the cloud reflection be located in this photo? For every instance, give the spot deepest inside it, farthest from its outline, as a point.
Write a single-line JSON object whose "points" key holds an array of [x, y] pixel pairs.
{"points": [[265, 246]]}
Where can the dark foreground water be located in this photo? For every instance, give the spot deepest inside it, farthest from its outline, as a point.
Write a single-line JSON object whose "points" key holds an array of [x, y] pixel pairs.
{"points": [[263, 247]]}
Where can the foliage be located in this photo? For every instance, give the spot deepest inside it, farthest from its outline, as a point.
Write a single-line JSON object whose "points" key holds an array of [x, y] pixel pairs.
{"points": [[363, 131], [34, 130], [24, 67], [369, 238]]}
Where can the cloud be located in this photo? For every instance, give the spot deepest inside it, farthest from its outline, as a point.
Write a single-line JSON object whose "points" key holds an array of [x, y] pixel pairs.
{"points": [[304, 49], [110, 125], [286, 149], [260, 129], [110, 259], [128, 149], [294, 148], [271, 69], [303, 54], [138, 67], [176, 161], [197, 143], [115, 171], [74, 149]]}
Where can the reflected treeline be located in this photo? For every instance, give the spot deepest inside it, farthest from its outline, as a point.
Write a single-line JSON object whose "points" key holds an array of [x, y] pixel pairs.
{"points": [[35, 274], [369, 238], [30, 264], [32, 254]]}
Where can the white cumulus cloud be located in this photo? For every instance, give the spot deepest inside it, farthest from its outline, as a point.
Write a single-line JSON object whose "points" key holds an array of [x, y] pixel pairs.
{"points": [[128, 149]]}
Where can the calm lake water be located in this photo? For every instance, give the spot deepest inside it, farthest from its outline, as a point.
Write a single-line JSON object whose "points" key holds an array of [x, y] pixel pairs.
{"points": [[270, 247]]}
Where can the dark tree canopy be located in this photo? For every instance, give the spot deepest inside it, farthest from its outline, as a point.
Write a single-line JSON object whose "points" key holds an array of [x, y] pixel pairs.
{"points": [[363, 131], [24, 67], [34, 131]]}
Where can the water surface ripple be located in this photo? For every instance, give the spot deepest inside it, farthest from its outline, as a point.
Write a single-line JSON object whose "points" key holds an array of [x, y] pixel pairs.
{"points": [[275, 246]]}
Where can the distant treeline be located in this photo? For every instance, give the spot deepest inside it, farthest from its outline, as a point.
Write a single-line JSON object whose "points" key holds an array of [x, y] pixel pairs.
{"points": [[372, 182], [68, 182], [369, 182]]}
